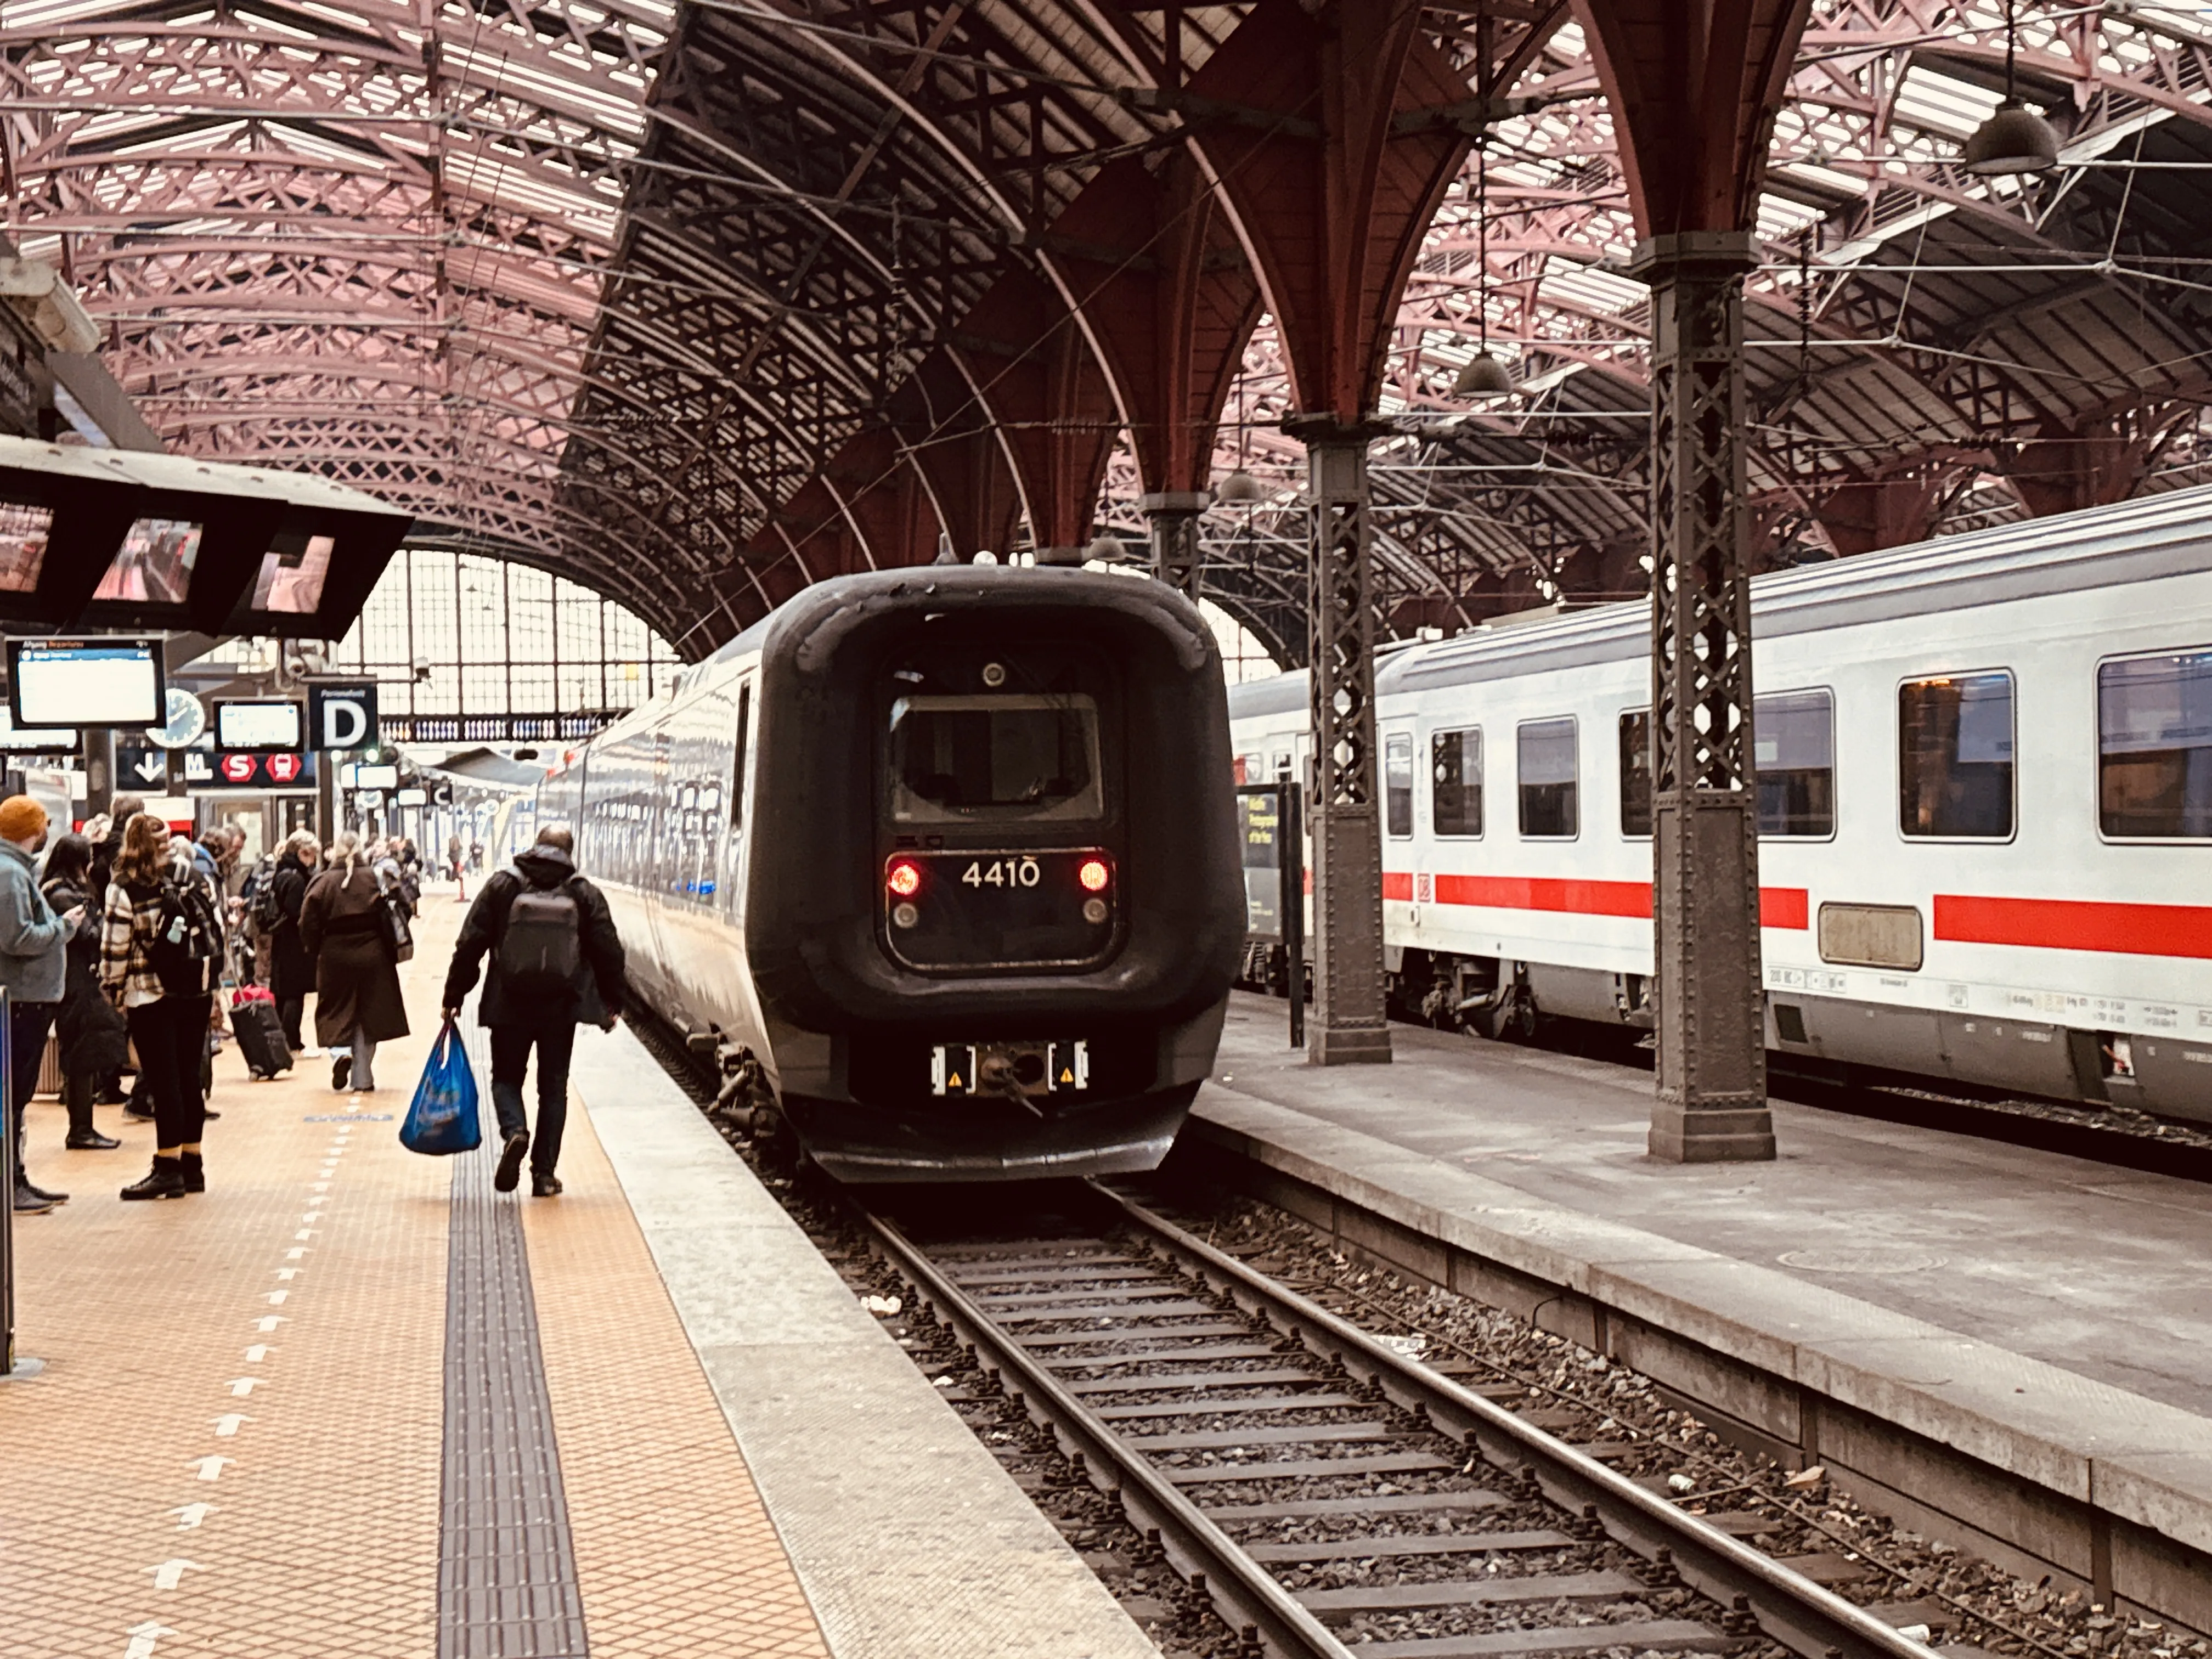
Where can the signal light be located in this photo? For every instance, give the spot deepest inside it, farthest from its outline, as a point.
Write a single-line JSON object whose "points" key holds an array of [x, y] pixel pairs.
{"points": [[1094, 875], [904, 878]]}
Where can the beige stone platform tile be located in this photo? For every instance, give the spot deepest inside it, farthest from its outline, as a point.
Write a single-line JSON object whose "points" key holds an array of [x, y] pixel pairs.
{"points": [[676, 1556], [324, 1537]]}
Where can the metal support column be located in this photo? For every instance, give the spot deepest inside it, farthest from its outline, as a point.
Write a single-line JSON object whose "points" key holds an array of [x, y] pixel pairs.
{"points": [[1174, 517], [1349, 1025], [1711, 1104]]}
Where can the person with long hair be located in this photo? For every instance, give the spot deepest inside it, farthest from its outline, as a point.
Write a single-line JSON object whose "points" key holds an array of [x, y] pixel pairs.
{"points": [[93, 1039], [357, 1001], [167, 1014]]}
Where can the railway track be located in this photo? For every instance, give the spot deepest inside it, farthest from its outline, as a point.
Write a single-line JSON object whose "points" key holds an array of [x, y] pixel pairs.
{"points": [[1329, 1495]]}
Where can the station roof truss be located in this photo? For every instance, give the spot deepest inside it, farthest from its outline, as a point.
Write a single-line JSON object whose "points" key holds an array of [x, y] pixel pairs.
{"points": [[695, 302]]}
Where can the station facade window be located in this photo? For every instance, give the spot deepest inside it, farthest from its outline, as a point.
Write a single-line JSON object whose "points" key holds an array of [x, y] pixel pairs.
{"points": [[1548, 764], [2154, 747], [1954, 756], [1456, 781], [498, 639]]}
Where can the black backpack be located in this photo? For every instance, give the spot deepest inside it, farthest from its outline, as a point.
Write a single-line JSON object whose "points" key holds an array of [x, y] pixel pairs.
{"points": [[542, 945], [268, 913], [186, 953]]}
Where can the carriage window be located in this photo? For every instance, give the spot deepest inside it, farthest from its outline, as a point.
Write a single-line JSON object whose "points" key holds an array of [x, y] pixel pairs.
{"points": [[957, 759], [1456, 781], [1793, 739], [1955, 740], [1398, 783], [1635, 773], [738, 760], [2154, 747], [1548, 762]]}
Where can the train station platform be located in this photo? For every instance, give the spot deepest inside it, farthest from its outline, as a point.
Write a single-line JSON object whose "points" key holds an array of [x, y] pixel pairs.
{"points": [[351, 1401], [2007, 1345]]}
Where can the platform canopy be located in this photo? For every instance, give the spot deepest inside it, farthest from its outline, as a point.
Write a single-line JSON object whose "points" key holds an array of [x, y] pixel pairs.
{"points": [[697, 303], [111, 538]]}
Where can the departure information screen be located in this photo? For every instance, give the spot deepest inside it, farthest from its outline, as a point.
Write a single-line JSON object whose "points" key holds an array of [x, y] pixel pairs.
{"points": [[86, 682]]}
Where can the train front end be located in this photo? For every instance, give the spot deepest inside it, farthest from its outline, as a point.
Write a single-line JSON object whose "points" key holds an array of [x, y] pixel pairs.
{"points": [[994, 909]]}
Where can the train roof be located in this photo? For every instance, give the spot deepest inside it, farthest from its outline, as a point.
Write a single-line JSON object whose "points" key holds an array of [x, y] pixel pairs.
{"points": [[807, 608], [2144, 540]]}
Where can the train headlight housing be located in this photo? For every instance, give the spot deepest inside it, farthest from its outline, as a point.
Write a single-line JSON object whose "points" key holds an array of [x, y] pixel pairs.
{"points": [[904, 915], [903, 877], [1094, 875]]}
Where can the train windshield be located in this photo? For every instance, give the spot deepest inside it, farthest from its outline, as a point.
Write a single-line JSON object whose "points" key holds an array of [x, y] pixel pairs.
{"points": [[958, 760]]}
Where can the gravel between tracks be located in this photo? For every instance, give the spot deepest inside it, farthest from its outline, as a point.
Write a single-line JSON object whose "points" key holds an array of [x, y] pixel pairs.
{"points": [[1582, 1395]]}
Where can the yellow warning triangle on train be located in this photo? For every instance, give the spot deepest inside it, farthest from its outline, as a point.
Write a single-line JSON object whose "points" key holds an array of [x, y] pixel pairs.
{"points": [[954, 1082], [1066, 1076]]}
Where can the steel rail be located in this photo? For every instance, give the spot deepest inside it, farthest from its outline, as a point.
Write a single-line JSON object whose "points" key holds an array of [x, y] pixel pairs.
{"points": [[1244, 1593], [1805, 1617]]}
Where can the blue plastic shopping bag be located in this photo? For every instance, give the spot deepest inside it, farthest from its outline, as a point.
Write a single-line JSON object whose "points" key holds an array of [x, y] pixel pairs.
{"points": [[443, 1118]]}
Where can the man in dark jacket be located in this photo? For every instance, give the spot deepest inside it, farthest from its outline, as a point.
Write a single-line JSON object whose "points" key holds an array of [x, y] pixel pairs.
{"points": [[524, 1013]]}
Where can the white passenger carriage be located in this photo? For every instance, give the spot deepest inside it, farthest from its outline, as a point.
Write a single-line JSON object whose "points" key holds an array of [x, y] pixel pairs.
{"points": [[1985, 792]]}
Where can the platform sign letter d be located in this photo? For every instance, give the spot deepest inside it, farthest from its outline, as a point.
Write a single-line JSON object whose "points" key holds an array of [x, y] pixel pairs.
{"points": [[344, 716]]}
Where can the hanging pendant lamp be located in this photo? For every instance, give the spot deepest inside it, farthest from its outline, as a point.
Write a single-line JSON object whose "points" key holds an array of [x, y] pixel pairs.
{"points": [[1240, 488], [1485, 377], [2015, 139]]}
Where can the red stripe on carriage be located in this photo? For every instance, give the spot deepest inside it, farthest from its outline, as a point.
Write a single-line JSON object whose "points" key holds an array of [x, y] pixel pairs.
{"points": [[1787, 908], [2143, 930]]}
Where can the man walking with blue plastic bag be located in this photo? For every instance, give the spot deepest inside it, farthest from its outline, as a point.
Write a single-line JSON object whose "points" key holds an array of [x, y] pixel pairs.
{"points": [[557, 963]]}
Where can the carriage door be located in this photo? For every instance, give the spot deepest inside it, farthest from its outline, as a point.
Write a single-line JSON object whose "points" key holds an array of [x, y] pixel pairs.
{"points": [[1400, 905]]}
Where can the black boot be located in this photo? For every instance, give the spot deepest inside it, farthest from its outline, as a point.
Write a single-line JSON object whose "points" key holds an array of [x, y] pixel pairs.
{"points": [[164, 1180], [24, 1184], [194, 1172], [543, 1183], [509, 1173], [76, 1095]]}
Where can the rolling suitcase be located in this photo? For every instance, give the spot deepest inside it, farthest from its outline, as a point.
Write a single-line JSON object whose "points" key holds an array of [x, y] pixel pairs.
{"points": [[260, 1037]]}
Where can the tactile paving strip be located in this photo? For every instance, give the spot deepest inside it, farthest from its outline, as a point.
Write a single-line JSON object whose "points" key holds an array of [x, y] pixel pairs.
{"points": [[506, 1570]]}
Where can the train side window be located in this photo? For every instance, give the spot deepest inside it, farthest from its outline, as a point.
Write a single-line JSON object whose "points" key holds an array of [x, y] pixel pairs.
{"points": [[1398, 783], [1793, 741], [1548, 763], [738, 763], [2154, 747], [1954, 756], [1635, 773], [1456, 781]]}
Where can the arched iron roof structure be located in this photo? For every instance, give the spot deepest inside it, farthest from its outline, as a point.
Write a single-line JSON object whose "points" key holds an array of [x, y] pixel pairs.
{"points": [[698, 301]]}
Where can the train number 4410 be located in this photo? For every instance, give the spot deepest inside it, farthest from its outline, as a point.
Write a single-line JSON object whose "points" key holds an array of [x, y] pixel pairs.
{"points": [[1002, 872]]}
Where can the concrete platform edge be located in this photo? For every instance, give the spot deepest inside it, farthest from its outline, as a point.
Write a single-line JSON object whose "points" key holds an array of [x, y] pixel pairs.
{"points": [[2038, 1465], [905, 1533]]}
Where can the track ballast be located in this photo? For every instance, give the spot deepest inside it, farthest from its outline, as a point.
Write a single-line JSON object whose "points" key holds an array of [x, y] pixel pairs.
{"points": [[1331, 1496]]}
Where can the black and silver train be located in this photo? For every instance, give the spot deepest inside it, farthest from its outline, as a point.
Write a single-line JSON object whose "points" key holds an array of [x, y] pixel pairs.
{"points": [[949, 855]]}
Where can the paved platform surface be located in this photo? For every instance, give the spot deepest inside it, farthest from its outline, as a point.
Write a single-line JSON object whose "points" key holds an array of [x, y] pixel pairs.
{"points": [[2099, 1270], [2045, 1316], [244, 1439]]}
